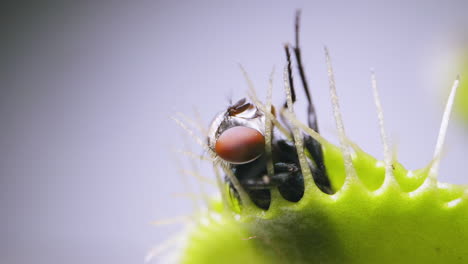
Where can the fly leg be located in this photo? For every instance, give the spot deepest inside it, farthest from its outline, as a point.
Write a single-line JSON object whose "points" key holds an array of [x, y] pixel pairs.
{"points": [[319, 171], [283, 173], [288, 178]]}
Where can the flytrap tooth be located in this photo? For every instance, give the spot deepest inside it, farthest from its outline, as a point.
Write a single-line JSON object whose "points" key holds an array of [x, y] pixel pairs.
{"points": [[187, 187], [221, 186], [349, 168], [269, 127], [194, 123], [272, 118], [198, 176], [173, 220], [195, 171], [443, 130], [192, 155], [293, 119], [389, 159], [244, 197], [195, 137], [430, 182], [164, 247], [310, 187]]}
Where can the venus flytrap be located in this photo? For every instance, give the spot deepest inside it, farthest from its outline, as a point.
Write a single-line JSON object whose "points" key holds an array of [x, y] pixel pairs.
{"points": [[393, 216], [376, 212]]}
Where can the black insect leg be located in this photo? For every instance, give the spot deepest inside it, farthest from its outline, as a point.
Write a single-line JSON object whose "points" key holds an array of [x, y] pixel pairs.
{"points": [[250, 176], [312, 116], [292, 189], [290, 78], [261, 198], [319, 172], [291, 86], [283, 173]]}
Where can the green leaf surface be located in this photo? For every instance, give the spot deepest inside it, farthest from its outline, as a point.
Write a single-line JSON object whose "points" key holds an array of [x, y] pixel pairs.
{"points": [[373, 218]]}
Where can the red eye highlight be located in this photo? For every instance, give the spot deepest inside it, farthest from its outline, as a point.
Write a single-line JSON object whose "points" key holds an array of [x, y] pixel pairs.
{"points": [[240, 144]]}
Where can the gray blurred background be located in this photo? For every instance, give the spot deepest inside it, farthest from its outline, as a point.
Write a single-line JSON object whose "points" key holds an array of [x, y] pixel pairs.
{"points": [[87, 89]]}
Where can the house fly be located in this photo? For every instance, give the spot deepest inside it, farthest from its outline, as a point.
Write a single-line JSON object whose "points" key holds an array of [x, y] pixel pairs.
{"points": [[237, 136]]}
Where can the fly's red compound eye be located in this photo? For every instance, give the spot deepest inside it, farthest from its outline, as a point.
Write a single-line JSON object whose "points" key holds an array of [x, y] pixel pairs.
{"points": [[240, 145]]}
